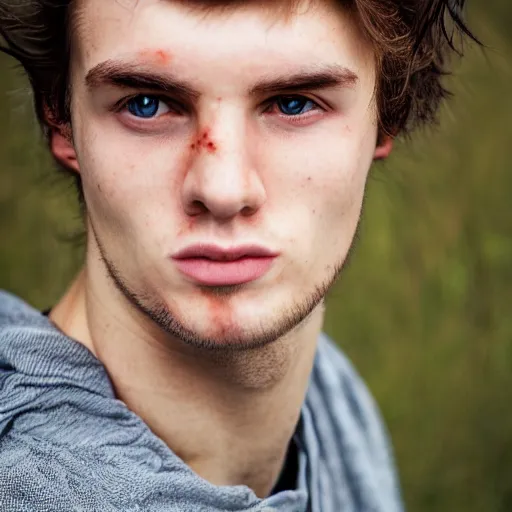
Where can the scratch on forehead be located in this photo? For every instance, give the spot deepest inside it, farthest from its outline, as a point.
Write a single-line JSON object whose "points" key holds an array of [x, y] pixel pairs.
{"points": [[158, 56]]}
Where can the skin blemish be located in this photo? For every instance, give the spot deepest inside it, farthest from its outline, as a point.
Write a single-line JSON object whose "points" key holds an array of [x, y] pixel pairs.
{"points": [[191, 222], [157, 56], [204, 141], [221, 316], [188, 225], [251, 218], [162, 56]]}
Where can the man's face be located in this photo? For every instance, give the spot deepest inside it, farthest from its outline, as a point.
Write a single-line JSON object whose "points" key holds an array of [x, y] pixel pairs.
{"points": [[239, 135]]}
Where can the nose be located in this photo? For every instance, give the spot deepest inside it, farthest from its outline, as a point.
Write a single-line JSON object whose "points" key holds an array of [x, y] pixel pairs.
{"points": [[222, 179]]}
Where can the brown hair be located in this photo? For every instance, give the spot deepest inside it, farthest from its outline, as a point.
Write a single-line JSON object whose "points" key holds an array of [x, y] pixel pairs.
{"points": [[412, 40]]}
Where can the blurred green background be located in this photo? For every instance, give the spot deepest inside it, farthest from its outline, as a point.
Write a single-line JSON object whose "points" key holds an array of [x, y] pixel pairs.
{"points": [[423, 309]]}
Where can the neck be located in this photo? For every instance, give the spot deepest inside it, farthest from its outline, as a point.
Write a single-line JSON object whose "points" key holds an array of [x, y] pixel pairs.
{"points": [[228, 415]]}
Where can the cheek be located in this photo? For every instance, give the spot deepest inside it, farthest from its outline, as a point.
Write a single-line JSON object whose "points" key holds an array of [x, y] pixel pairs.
{"points": [[324, 175], [346, 172], [132, 180], [319, 192]]}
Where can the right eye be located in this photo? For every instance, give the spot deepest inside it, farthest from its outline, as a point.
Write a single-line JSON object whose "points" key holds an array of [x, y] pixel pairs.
{"points": [[146, 106]]}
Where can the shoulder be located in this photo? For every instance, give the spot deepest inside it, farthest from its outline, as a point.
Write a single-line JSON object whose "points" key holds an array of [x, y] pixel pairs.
{"points": [[48, 382], [14, 311], [347, 416], [338, 381], [41, 475], [35, 475]]}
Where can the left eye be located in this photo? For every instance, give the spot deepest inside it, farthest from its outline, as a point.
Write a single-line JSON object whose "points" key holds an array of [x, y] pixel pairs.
{"points": [[294, 105], [146, 107]]}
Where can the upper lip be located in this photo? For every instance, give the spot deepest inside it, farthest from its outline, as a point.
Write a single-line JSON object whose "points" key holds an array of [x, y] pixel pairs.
{"points": [[217, 253]]}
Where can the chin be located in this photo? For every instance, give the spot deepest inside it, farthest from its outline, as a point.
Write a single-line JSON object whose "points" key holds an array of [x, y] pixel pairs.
{"points": [[223, 318], [239, 317], [233, 318]]}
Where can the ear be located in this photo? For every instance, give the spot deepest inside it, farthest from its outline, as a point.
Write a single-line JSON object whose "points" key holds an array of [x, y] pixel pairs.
{"points": [[384, 147], [62, 148]]}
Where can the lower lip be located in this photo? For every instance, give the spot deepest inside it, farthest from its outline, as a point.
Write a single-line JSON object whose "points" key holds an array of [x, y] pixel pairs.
{"points": [[224, 273]]}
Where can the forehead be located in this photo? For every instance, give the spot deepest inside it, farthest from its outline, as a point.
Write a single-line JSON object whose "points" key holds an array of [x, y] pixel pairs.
{"points": [[302, 34]]}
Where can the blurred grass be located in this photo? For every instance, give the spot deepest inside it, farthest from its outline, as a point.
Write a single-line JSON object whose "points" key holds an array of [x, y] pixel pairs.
{"points": [[423, 308]]}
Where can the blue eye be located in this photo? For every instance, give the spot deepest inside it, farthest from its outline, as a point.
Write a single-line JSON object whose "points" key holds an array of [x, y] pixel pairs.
{"points": [[294, 105], [143, 106]]}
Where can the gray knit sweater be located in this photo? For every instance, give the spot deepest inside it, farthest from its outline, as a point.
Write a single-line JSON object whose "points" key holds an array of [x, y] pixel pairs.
{"points": [[67, 444]]}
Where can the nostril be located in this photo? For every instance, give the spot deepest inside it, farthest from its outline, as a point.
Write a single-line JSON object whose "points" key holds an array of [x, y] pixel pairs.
{"points": [[247, 211], [198, 207]]}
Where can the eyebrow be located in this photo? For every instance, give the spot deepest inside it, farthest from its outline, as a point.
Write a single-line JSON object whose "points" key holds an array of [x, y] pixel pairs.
{"points": [[328, 77], [134, 76]]}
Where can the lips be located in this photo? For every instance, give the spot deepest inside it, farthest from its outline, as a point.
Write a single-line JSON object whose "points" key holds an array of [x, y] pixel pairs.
{"points": [[211, 265]]}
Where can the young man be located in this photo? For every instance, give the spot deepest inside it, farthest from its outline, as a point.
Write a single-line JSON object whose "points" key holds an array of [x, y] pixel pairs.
{"points": [[221, 151]]}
